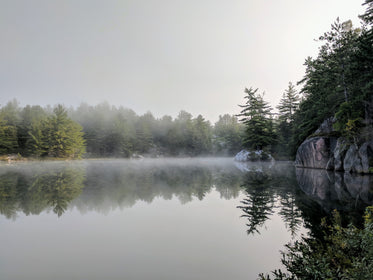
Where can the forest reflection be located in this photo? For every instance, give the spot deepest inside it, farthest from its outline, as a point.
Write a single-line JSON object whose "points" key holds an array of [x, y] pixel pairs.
{"points": [[301, 197], [34, 189], [106, 185]]}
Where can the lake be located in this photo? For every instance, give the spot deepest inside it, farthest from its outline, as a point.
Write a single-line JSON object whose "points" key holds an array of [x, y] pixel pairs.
{"points": [[163, 218]]}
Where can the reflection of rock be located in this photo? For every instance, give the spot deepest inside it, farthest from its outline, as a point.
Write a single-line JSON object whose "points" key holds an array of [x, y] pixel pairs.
{"points": [[246, 155], [360, 187], [257, 166], [335, 190]]}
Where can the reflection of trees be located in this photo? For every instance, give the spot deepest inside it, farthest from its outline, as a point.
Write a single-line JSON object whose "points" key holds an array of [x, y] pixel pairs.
{"points": [[228, 183], [35, 190], [125, 182], [8, 194], [290, 213], [58, 188], [258, 205], [269, 187]]}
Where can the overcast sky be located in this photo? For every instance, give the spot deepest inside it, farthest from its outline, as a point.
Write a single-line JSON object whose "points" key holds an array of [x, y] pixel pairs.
{"points": [[159, 55]]}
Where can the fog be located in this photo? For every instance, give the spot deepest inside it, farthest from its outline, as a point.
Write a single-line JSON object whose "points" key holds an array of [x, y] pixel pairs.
{"points": [[163, 56]]}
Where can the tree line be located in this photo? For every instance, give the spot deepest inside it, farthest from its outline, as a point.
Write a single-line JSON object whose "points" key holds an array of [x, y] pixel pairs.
{"points": [[109, 131]]}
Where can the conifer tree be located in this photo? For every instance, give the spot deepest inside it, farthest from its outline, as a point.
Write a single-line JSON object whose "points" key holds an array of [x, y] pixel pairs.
{"points": [[256, 116], [288, 105], [59, 136]]}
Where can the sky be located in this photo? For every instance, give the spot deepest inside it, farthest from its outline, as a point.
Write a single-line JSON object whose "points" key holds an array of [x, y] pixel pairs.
{"points": [[161, 56]]}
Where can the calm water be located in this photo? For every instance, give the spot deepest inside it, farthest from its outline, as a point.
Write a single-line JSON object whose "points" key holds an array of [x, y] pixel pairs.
{"points": [[162, 219]]}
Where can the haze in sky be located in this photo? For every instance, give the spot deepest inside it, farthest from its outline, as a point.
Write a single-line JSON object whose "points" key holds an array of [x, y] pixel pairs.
{"points": [[159, 55]]}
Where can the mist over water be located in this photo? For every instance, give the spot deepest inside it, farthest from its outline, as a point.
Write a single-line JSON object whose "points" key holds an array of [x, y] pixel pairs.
{"points": [[200, 218]]}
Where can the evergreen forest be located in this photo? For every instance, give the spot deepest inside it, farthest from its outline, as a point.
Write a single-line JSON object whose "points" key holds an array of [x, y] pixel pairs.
{"points": [[109, 131]]}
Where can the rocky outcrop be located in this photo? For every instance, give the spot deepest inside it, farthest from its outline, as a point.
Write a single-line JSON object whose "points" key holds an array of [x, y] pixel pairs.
{"points": [[247, 156], [325, 151]]}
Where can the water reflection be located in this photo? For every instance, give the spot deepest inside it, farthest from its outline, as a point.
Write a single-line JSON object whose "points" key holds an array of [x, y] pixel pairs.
{"points": [[112, 184], [105, 185], [301, 197], [270, 188], [349, 193], [35, 189], [172, 240]]}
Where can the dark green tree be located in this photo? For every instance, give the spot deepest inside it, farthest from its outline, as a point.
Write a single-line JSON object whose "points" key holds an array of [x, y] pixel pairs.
{"points": [[59, 136], [257, 118], [289, 103]]}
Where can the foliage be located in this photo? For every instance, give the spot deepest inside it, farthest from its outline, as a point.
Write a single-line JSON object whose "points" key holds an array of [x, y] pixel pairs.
{"points": [[342, 253]]}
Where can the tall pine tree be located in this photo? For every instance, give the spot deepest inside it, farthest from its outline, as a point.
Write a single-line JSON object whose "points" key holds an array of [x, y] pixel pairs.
{"points": [[59, 136], [289, 103], [257, 118]]}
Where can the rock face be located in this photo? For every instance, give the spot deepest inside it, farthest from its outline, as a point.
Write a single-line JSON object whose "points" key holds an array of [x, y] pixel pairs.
{"points": [[331, 153], [315, 153], [246, 155]]}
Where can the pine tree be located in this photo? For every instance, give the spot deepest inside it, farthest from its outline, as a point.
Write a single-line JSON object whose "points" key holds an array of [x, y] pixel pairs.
{"points": [[287, 107], [256, 116], [59, 136], [288, 104]]}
